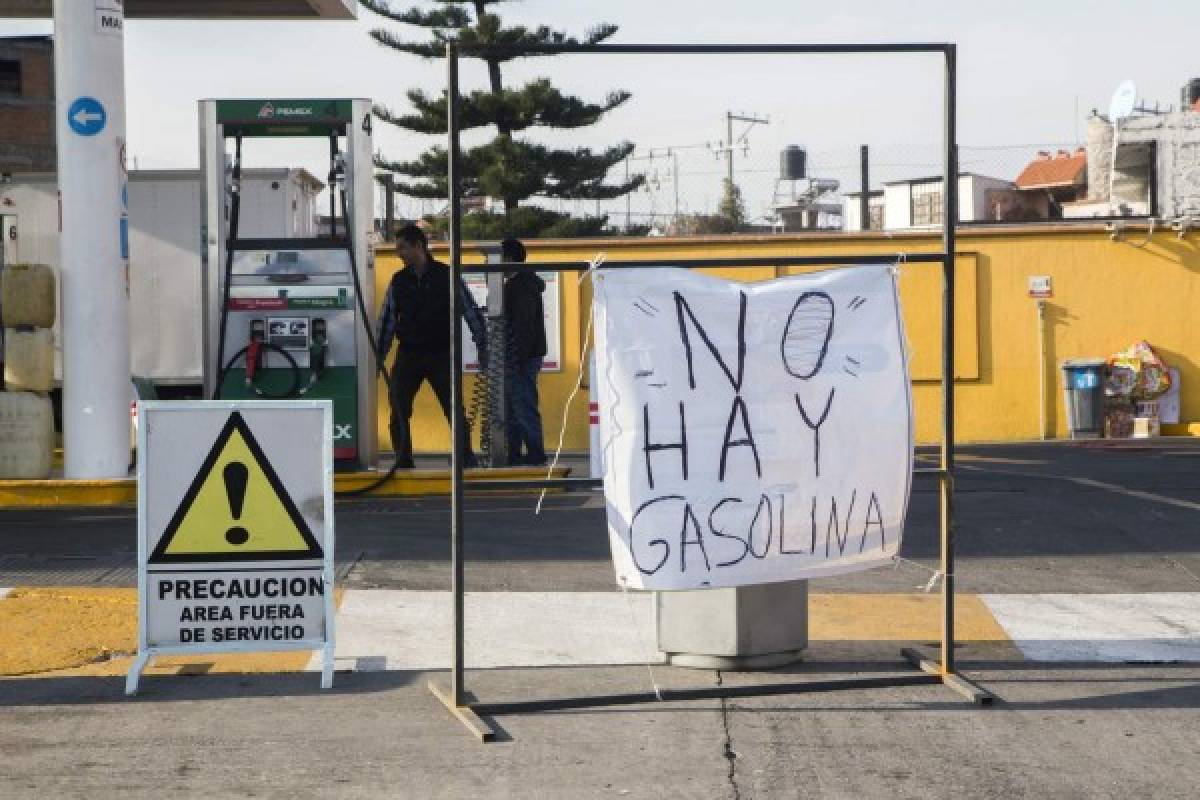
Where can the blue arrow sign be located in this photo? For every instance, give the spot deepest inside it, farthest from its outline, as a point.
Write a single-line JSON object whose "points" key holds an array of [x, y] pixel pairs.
{"points": [[87, 116]]}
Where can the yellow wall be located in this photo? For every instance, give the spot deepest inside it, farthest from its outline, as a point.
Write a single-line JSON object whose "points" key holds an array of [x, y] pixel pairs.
{"points": [[1107, 294]]}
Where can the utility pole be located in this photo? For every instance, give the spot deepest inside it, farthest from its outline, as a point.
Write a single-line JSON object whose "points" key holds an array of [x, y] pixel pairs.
{"points": [[628, 209], [650, 155], [675, 183], [729, 147], [730, 118], [864, 201]]}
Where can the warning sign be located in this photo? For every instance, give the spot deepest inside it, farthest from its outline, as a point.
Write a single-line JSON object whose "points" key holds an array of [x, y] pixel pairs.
{"points": [[235, 508], [235, 529]]}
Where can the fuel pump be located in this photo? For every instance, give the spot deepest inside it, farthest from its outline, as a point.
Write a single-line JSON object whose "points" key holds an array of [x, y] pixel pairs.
{"points": [[288, 318]]}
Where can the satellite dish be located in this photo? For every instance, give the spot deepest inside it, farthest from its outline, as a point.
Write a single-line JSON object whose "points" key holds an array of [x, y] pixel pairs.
{"points": [[1123, 100]]}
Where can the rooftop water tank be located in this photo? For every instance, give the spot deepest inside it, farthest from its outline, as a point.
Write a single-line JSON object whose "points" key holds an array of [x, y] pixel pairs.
{"points": [[792, 163]]}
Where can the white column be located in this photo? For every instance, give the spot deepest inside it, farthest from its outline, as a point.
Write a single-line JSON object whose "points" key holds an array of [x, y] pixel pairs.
{"points": [[89, 78]]}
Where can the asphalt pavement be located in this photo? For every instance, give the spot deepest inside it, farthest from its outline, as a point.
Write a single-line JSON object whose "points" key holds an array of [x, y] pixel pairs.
{"points": [[1104, 526]]}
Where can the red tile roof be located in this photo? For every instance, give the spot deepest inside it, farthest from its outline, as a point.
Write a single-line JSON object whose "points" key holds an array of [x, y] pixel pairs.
{"points": [[1047, 171]]}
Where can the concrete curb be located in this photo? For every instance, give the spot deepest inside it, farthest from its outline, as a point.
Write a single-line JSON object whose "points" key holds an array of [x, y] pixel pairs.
{"points": [[1182, 429], [122, 492]]}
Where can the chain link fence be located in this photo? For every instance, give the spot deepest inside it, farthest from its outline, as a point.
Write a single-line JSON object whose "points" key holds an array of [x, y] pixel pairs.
{"points": [[685, 185]]}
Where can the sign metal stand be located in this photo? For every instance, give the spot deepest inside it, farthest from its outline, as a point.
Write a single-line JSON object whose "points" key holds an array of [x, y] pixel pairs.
{"points": [[942, 670], [282, 540]]}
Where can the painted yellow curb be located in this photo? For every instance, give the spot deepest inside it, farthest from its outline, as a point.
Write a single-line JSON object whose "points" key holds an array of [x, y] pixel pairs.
{"points": [[63, 493], [1183, 429], [436, 481], [123, 491], [51, 629], [898, 618], [87, 631]]}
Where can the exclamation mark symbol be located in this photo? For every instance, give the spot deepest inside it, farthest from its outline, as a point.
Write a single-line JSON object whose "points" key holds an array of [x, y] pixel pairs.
{"points": [[236, 476]]}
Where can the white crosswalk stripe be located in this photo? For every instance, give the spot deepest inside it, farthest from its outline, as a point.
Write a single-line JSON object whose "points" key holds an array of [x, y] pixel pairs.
{"points": [[1148, 627], [411, 630]]}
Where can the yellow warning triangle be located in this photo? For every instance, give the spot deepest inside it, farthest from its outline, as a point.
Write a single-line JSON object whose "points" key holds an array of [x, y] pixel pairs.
{"points": [[236, 509]]}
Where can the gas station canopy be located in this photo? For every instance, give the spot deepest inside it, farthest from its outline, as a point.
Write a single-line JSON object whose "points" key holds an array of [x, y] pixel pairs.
{"points": [[205, 9]]}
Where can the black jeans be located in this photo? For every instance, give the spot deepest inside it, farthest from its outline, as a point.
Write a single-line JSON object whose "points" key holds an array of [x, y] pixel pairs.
{"points": [[523, 419], [409, 371]]}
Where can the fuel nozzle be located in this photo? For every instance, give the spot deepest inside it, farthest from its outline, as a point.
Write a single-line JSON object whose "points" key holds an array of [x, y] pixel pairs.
{"points": [[318, 351], [339, 169], [254, 348]]}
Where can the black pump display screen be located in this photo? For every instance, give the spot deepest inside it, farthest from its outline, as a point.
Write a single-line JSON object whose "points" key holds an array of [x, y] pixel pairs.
{"points": [[291, 263]]}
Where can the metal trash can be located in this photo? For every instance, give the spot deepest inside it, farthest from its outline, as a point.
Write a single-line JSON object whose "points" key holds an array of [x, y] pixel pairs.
{"points": [[1083, 392]]}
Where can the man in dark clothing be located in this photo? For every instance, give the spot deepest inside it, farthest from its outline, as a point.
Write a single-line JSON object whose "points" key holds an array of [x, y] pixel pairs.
{"points": [[416, 312], [526, 329]]}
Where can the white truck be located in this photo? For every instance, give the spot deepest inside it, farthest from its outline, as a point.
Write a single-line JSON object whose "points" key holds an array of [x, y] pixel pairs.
{"points": [[164, 250]]}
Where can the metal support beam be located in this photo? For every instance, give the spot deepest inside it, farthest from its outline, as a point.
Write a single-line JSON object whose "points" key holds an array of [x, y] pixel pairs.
{"points": [[456, 381], [579, 484], [976, 694], [501, 51], [707, 263], [711, 693], [950, 217], [466, 714], [207, 9]]}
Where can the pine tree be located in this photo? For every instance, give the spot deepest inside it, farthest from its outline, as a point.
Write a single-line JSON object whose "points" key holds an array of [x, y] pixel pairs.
{"points": [[731, 208], [507, 167]]}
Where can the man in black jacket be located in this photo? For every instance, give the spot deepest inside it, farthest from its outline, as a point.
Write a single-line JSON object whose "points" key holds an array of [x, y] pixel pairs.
{"points": [[526, 329], [416, 312]]}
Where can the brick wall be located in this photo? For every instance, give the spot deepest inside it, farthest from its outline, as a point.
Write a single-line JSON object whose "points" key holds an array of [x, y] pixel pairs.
{"points": [[27, 121]]}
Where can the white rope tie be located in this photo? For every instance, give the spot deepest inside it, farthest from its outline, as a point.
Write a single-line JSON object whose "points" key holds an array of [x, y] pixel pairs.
{"points": [[593, 265], [935, 576], [583, 354], [643, 641]]}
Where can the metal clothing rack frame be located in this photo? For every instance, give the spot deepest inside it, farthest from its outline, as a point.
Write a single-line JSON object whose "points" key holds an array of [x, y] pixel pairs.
{"points": [[928, 671]]}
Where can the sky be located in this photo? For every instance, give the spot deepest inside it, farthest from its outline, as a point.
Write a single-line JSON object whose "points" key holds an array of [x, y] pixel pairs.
{"points": [[1025, 69]]}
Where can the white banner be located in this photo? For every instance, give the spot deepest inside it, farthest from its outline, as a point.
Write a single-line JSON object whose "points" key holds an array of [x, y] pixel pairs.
{"points": [[751, 432]]}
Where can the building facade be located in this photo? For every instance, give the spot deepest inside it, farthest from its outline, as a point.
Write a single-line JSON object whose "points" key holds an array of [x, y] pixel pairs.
{"points": [[26, 105], [917, 204], [1157, 167], [1108, 293]]}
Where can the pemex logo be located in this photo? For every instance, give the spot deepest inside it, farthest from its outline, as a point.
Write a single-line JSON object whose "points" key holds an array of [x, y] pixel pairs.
{"points": [[270, 111]]}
